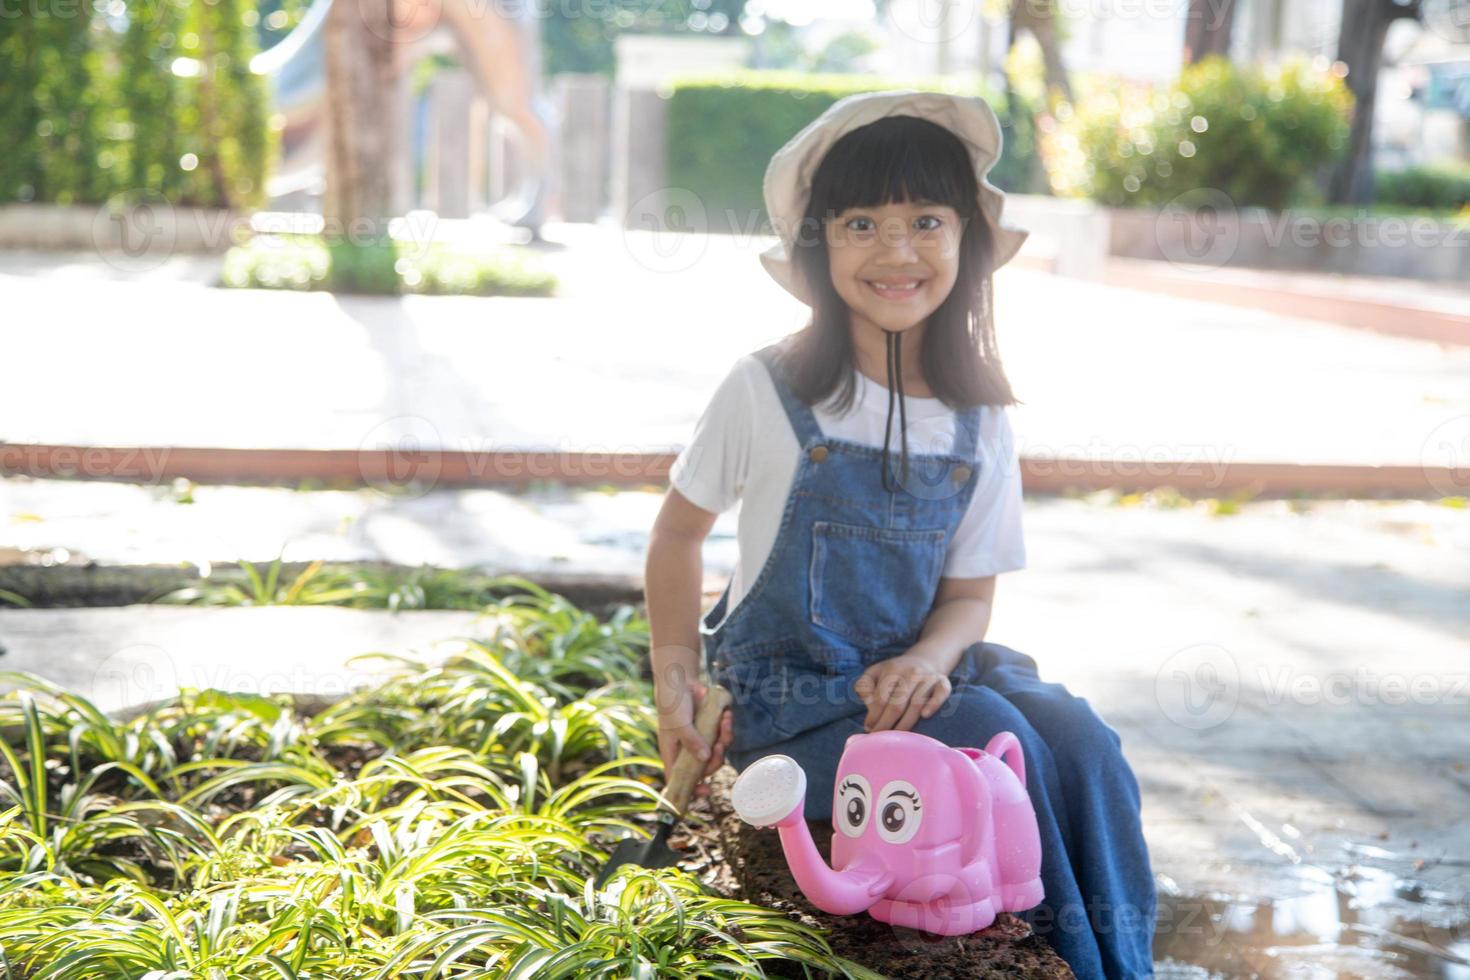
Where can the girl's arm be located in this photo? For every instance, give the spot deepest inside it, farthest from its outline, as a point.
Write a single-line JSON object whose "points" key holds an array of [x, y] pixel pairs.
{"points": [[913, 685], [960, 617], [673, 575]]}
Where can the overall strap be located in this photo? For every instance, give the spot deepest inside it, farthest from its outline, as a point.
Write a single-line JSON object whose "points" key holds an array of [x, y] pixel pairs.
{"points": [[803, 422], [967, 431]]}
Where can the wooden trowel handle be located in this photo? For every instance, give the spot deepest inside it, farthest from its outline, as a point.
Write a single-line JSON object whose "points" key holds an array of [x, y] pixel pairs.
{"points": [[688, 767]]}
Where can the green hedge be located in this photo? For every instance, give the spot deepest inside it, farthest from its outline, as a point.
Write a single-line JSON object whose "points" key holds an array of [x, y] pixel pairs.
{"points": [[310, 262], [49, 118], [160, 101], [1441, 186], [1256, 134], [725, 128]]}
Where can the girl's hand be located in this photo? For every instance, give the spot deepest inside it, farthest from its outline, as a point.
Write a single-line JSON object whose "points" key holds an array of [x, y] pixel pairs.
{"points": [[901, 690], [677, 703]]}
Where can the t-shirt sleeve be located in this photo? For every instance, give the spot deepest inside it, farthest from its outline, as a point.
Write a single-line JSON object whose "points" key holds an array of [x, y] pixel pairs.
{"points": [[989, 539], [711, 470]]}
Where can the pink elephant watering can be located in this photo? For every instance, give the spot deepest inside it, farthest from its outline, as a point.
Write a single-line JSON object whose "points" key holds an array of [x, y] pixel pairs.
{"points": [[924, 835]]}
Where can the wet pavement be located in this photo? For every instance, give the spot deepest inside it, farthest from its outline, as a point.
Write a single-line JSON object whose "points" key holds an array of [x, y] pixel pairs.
{"points": [[1372, 922]]}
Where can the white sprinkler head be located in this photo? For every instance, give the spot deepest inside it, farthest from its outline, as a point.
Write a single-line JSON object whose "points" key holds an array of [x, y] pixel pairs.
{"points": [[769, 790]]}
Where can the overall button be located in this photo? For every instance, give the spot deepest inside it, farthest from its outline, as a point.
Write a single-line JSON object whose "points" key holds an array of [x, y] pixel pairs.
{"points": [[818, 453], [960, 474]]}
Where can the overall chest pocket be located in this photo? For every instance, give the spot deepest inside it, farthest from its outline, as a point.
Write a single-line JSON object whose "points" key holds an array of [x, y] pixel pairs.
{"points": [[873, 585]]}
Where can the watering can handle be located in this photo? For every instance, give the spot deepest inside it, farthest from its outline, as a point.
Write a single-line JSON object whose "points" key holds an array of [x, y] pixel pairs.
{"points": [[688, 767]]}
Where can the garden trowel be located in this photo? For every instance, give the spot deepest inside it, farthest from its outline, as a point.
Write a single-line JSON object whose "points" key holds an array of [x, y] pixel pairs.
{"points": [[656, 852]]}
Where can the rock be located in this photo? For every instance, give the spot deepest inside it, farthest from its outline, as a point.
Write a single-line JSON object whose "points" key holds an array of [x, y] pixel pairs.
{"points": [[745, 863]]}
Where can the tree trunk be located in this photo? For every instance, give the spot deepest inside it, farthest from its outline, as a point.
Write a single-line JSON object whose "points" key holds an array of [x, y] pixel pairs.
{"points": [[364, 131], [1039, 17], [1208, 29], [1360, 47]]}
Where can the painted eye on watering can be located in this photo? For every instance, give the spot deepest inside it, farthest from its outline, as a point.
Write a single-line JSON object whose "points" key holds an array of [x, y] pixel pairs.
{"points": [[854, 802], [899, 812]]}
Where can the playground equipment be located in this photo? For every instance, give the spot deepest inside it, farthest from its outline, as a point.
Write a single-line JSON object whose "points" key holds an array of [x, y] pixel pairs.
{"points": [[925, 836], [490, 47]]}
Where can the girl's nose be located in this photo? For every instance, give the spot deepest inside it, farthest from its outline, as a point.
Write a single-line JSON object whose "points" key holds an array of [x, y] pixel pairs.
{"points": [[897, 255]]}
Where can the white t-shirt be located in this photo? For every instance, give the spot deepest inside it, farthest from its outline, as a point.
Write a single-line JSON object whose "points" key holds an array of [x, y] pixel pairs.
{"points": [[745, 450]]}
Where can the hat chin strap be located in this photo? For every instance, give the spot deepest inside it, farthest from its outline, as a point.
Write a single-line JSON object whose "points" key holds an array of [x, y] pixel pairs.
{"points": [[895, 383]]}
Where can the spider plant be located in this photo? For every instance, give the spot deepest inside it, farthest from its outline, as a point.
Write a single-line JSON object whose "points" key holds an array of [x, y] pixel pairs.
{"points": [[72, 827], [424, 587], [541, 636], [473, 699], [252, 587], [446, 824]]}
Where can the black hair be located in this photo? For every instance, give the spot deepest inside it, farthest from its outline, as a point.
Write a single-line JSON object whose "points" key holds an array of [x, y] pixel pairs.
{"points": [[899, 158]]}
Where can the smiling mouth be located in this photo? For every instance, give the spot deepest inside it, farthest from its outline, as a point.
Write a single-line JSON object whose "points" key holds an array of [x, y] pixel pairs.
{"points": [[895, 289]]}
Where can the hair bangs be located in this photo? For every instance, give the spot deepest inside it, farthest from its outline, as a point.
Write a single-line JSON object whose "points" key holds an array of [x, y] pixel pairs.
{"points": [[896, 158]]}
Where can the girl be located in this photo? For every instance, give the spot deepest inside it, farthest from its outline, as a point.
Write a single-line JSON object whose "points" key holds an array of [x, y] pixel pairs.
{"points": [[867, 573]]}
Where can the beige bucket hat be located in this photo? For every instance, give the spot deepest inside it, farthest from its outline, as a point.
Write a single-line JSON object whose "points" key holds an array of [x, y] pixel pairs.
{"points": [[788, 181]]}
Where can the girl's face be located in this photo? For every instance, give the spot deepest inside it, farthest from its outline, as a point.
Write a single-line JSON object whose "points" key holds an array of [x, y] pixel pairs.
{"points": [[895, 263]]}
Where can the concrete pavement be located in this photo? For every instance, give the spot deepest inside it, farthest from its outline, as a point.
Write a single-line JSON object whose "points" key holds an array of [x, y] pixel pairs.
{"points": [[627, 359]]}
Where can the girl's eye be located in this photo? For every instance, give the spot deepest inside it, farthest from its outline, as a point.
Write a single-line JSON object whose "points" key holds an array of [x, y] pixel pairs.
{"points": [[864, 225]]}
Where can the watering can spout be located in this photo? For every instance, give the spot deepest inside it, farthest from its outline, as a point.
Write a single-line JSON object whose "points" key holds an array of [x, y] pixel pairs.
{"points": [[772, 792], [852, 890]]}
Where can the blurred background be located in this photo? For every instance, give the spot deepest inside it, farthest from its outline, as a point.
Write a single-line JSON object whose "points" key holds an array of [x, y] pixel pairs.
{"points": [[350, 303]]}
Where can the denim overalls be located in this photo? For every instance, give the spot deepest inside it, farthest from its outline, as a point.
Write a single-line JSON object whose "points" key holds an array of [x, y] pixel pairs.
{"points": [[849, 581]]}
